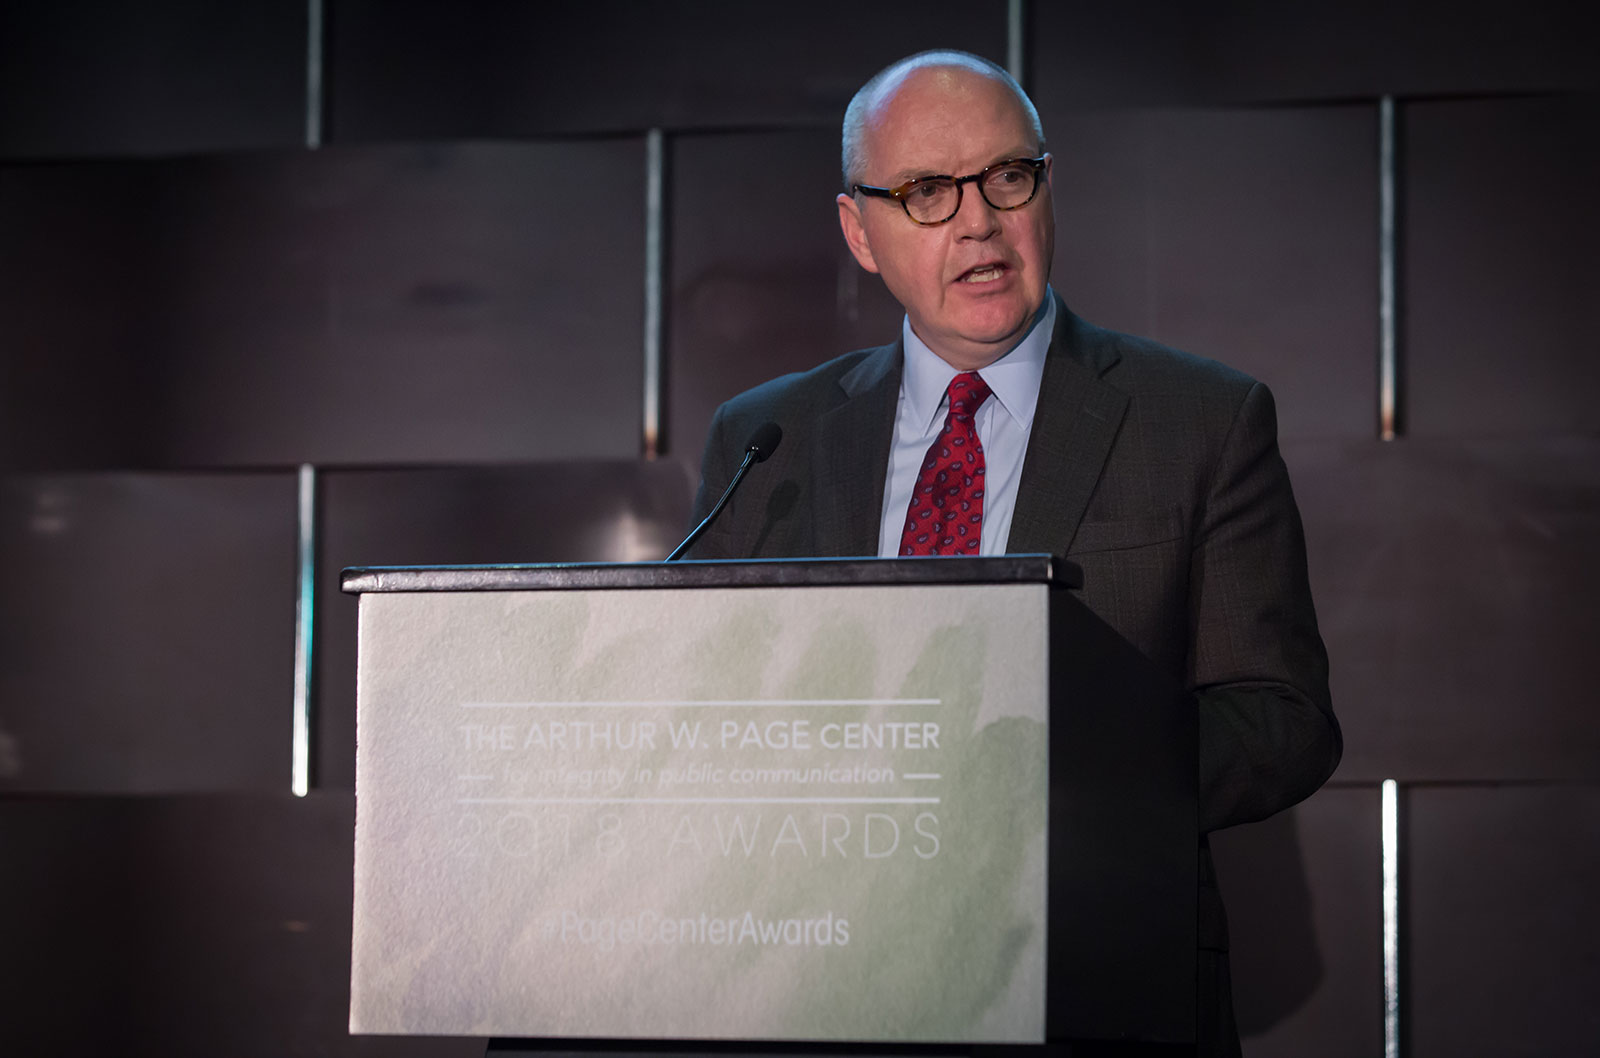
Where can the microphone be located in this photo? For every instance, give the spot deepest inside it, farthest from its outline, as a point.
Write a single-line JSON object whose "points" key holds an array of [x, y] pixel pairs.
{"points": [[763, 442]]}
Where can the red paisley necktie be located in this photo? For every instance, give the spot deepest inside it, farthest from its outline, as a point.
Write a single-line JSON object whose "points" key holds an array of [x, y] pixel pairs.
{"points": [[946, 512]]}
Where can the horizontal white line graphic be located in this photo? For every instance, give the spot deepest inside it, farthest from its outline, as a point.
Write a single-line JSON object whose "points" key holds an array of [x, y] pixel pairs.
{"points": [[697, 801], [741, 703]]}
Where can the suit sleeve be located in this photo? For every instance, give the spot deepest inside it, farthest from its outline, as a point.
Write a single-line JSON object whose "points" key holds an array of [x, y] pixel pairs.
{"points": [[1268, 736]]}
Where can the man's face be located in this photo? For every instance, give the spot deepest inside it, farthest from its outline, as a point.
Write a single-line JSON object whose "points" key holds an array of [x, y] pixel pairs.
{"points": [[971, 285]]}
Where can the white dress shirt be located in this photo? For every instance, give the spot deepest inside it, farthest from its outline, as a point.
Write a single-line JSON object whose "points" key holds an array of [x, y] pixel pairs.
{"points": [[1004, 422]]}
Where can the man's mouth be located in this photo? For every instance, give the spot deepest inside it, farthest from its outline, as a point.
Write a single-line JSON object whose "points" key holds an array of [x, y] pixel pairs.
{"points": [[983, 274]]}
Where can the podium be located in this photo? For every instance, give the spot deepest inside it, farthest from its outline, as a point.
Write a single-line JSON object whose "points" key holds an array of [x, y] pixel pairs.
{"points": [[851, 803]]}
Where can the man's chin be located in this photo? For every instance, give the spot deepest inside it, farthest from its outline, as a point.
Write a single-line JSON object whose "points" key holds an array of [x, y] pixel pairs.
{"points": [[970, 352], [996, 329]]}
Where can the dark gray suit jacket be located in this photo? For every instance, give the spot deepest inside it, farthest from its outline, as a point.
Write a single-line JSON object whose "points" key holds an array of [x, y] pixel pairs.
{"points": [[1155, 471]]}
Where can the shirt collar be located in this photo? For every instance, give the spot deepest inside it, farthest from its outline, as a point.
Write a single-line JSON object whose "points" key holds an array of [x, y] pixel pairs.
{"points": [[1014, 378]]}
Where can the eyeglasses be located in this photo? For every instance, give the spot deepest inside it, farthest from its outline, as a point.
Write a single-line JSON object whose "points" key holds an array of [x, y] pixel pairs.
{"points": [[1006, 185]]}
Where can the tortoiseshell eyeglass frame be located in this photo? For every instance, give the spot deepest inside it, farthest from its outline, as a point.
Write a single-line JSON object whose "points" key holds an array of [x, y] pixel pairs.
{"points": [[899, 193]]}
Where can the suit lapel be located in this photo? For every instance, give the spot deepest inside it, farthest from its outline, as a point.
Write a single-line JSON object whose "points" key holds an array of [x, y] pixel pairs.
{"points": [[1074, 427], [851, 456]]}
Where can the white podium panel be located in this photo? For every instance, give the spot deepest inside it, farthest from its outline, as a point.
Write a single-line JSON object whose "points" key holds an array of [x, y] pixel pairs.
{"points": [[727, 813]]}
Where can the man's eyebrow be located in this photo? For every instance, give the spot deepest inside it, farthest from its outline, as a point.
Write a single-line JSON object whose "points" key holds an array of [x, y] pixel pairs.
{"points": [[907, 175], [922, 173]]}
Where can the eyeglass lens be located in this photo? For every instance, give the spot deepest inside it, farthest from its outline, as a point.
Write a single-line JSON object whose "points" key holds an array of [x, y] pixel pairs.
{"points": [[1004, 187]]}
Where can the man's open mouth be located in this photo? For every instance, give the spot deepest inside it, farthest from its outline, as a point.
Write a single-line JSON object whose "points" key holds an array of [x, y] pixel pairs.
{"points": [[983, 274]]}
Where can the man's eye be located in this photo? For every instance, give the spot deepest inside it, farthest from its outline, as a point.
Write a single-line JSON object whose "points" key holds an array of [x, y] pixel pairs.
{"points": [[927, 190]]}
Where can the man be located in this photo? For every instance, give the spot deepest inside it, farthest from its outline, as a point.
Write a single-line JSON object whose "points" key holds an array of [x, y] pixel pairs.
{"points": [[1156, 472]]}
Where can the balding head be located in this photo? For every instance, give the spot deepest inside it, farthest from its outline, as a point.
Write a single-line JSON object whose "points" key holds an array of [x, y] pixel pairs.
{"points": [[956, 128], [883, 85]]}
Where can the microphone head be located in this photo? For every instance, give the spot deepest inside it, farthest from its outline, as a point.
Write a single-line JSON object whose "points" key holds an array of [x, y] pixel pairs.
{"points": [[764, 441]]}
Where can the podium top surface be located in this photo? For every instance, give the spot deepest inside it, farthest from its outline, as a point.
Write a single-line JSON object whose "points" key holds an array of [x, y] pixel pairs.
{"points": [[752, 573]]}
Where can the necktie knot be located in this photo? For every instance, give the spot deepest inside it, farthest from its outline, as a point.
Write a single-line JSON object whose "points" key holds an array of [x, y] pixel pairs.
{"points": [[967, 392]]}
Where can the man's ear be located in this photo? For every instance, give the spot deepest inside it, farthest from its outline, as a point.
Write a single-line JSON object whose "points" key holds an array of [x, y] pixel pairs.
{"points": [[855, 236]]}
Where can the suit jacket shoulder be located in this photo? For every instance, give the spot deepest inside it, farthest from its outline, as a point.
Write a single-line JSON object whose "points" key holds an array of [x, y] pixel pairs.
{"points": [[1149, 371], [790, 400], [1124, 431], [820, 491]]}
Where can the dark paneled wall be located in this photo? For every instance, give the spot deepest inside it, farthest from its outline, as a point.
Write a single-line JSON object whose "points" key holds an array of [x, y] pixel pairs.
{"points": [[430, 69], [443, 309], [1242, 234], [103, 78], [431, 303], [148, 631], [1501, 266], [1231, 52]]}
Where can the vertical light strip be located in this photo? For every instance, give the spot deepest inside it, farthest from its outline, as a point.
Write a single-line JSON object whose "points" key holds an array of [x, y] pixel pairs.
{"points": [[1388, 294], [1391, 919], [313, 74], [655, 166], [1014, 51], [300, 766]]}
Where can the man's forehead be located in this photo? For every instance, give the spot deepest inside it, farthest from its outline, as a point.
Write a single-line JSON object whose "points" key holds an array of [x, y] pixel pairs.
{"points": [[931, 108]]}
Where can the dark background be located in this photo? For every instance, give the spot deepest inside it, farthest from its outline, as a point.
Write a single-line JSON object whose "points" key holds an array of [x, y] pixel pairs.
{"points": [[442, 309]]}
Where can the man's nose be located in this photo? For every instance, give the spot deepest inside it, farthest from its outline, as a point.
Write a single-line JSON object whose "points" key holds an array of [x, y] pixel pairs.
{"points": [[975, 218]]}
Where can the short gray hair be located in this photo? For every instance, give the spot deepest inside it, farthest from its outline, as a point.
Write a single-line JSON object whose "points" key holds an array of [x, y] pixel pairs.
{"points": [[889, 78]]}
